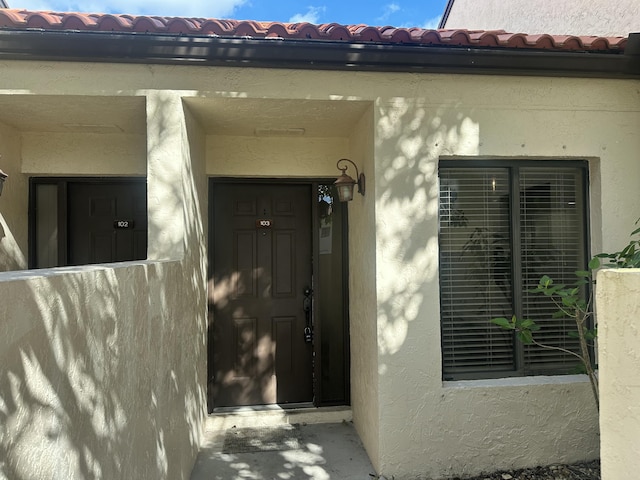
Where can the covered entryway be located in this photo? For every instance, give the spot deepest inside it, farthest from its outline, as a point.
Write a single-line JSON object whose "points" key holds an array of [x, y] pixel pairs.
{"points": [[278, 330]]}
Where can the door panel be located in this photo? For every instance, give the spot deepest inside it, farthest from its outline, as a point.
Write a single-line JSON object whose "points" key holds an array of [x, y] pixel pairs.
{"points": [[93, 212], [261, 264]]}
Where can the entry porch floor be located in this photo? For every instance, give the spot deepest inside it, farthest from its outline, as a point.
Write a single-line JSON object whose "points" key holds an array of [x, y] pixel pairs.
{"points": [[277, 444]]}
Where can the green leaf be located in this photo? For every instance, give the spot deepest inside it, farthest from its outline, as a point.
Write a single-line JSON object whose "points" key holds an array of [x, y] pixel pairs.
{"points": [[525, 337], [594, 263], [573, 334], [545, 280], [553, 290], [559, 314], [583, 273], [591, 334], [526, 324], [502, 322], [579, 369]]}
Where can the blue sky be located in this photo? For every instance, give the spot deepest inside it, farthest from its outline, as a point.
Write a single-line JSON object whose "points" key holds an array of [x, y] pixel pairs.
{"points": [[400, 13]]}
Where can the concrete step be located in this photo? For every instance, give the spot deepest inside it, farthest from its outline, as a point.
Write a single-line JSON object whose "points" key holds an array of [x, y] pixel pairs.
{"points": [[272, 415]]}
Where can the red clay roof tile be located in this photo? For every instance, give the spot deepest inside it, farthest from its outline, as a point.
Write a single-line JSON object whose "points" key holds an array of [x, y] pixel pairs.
{"points": [[23, 19]]}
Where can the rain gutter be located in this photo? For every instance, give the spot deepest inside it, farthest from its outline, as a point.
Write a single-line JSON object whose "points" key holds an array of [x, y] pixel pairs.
{"points": [[179, 49]]}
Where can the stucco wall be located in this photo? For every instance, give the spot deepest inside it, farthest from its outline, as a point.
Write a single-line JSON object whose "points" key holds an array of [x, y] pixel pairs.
{"points": [[519, 422], [362, 292], [103, 368], [412, 424], [274, 157], [618, 309], [52, 153], [584, 17], [13, 203], [84, 392]]}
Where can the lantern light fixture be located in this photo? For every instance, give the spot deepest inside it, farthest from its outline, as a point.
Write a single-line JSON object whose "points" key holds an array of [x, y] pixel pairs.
{"points": [[345, 183]]}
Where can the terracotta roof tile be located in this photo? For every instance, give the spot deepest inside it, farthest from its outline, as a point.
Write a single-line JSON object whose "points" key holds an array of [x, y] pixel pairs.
{"points": [[24, 19]]}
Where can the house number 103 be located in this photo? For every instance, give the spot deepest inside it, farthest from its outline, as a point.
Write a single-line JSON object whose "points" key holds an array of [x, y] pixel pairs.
{"points": [[264, 223]]}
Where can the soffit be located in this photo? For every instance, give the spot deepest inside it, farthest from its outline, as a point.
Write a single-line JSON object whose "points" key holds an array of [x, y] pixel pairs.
{"points": [[73, 113], [277, 117]]}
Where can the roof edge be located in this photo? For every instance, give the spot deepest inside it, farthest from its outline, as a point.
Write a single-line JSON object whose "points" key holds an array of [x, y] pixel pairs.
{"points": [[319, 54]]}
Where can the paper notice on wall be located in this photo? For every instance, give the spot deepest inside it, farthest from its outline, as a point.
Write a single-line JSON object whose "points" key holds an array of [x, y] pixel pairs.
{"points": [[326, 236]]}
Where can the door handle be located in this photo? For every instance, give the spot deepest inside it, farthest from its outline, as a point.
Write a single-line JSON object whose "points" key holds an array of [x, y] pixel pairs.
{"points": [[307, 307]]}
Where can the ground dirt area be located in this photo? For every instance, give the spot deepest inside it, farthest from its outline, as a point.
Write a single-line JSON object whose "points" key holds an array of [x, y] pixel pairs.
{"points": [[577, 471]]}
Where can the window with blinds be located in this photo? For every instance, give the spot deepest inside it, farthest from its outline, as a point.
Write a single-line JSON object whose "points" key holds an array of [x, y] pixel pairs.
{"points": [[502, 226]]}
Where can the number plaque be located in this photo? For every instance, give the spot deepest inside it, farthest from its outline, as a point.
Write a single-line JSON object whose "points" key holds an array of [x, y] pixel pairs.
{"points": [[123, 224], [264, 223]]}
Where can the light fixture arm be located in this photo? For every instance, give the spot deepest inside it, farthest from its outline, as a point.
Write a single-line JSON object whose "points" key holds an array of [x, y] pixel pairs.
{"points": [[360, 179]]}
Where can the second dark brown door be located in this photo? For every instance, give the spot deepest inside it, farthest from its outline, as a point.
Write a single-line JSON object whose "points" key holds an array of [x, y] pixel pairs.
{"points": [[107, 222], [261, 266]]}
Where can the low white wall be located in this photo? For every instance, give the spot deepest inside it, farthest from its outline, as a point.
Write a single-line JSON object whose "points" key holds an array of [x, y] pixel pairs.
{"points": [[90, 385], [618, 309]]}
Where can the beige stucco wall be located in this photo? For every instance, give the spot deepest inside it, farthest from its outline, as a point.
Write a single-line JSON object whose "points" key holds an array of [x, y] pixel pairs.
{"points": [[237, 156], [83, 390], [583, 17], [496, 424], [53, 153], [365, 391], [103, 368], [412, 424], [618, 310], [13, 203]]}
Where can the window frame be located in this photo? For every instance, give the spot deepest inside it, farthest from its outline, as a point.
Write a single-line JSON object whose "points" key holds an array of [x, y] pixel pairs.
{"points": [[513, 167]]}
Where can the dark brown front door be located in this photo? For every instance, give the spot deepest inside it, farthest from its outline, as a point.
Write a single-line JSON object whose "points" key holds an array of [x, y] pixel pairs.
{"points": [[261, 266], [107, 222]]}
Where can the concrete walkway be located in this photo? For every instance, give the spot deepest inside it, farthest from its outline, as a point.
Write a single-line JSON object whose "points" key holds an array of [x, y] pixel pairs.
{"points": [[324, 446]]}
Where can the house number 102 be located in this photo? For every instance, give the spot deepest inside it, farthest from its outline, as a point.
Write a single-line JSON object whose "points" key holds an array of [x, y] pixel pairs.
{"points": [[123, 224]]}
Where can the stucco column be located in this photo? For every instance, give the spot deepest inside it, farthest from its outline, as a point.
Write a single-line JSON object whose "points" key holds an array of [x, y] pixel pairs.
{"points": [[165, 164], [13, 204], [618, 309]]}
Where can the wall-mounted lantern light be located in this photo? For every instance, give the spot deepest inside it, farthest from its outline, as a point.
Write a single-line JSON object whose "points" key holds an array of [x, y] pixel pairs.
{"points": [[344, 184], [3, 177]]}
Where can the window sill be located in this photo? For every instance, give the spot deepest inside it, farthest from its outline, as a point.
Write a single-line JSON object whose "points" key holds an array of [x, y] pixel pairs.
{"points": [[517, 381]]}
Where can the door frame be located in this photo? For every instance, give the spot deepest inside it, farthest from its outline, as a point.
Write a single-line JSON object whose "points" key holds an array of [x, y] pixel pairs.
{"points": [[62, 184], [315, 253]]}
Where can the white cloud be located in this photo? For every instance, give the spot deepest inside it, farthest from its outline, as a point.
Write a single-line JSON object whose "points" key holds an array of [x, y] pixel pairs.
{"points": [[311, 16], [169, 8], [433, 23], [389, 10]]}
